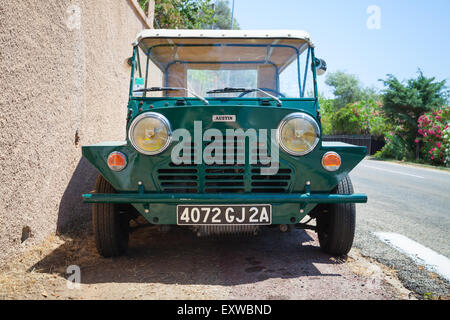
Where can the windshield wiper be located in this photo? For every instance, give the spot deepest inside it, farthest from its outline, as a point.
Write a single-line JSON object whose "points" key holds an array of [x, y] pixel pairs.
{"points": [[228, 90], [246, 90], [173, 89]]}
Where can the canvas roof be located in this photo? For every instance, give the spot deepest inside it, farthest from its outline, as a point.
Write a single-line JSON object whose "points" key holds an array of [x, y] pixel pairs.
{"points": [[212, 47], [156, 34]]}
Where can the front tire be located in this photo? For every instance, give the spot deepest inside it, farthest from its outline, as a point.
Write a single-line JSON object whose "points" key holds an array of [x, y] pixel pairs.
{"points": [[110, 226], [336, 226]]}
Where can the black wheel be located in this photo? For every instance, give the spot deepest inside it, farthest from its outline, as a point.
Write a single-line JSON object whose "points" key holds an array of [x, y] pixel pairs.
{"points": [[110, 223], [336, 224]]}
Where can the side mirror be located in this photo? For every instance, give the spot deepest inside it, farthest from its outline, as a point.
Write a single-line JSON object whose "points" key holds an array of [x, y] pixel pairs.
{"points": [[321, 66]]}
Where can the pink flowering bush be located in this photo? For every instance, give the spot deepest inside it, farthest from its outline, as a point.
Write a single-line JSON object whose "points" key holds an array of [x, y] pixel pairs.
{"points": [[433, 135], [447, 146]]}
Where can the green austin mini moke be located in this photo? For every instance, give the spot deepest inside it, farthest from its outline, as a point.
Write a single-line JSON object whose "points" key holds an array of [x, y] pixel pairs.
{"points": [[224, 137]]}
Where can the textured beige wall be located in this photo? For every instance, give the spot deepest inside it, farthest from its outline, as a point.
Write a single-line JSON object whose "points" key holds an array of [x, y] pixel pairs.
{"points": [[60, 87]]}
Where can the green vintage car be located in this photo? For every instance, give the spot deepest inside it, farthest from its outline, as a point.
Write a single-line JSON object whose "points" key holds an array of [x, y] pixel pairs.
{"points": [[224, 137]]}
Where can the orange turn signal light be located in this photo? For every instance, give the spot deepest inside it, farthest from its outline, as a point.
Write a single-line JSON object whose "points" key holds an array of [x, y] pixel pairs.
{"points": [[331, 161], [117, 161]]}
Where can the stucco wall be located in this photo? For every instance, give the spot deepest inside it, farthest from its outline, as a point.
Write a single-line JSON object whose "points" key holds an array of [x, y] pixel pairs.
{"points": [[63, 83]]}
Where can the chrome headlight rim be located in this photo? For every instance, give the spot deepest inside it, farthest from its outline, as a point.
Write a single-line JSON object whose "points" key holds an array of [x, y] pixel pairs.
{"points": [[154, 115], [298, 115]]}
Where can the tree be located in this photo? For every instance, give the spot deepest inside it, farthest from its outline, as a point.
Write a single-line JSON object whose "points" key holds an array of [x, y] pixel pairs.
{"points": [[144, 4], [222, 17], [348, 89], [181, 14], [404, 103]]}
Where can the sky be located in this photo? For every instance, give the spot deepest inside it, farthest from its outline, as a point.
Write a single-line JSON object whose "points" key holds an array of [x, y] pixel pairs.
{"points": [[404, 35]]}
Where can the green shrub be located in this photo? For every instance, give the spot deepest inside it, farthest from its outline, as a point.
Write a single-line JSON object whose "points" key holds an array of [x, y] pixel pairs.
{"points": [[404, 102], [348, 120], [395, 148], [363, 117], [326, 114]]}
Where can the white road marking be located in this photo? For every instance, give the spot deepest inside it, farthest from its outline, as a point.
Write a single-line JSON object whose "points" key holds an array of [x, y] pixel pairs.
{"points": [[422, 255], [417, 167], [392, 171]]}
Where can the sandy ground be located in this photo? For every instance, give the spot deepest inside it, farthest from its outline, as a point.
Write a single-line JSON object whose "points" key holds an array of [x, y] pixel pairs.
{"points": [[177, 265]]}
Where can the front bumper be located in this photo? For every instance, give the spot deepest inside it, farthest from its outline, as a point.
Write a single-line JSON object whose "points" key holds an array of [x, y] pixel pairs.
{"points": [[160, 208], [181, 198]]}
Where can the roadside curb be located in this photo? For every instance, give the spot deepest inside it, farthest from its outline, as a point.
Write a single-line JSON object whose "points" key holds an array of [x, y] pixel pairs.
{"points": [[410, 164]]}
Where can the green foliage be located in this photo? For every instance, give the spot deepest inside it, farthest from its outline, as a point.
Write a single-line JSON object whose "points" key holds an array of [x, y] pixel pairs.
{"points": [[378, 123], [403, 104], [348, 120], [181, 14], [395, 148], [191, 14], [326, 113], [144, 4], [348, 89], [428, 296], [434, 136], [362, 117], [222, 17]]}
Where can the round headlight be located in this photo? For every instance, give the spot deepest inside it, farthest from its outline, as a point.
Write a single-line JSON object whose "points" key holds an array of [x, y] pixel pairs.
{"points": [[150, 133], [298, 134]]}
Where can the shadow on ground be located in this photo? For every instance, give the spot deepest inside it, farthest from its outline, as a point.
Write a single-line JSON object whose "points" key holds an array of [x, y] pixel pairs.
{"points": [[73, 212], [179, 257]]}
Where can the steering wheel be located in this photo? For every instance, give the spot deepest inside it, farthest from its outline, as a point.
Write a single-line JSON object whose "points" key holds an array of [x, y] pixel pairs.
{"points": [[279, 94]]}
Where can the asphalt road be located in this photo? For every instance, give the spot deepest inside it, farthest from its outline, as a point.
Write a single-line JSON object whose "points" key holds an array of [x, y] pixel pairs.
{"points": [[409, 201]]}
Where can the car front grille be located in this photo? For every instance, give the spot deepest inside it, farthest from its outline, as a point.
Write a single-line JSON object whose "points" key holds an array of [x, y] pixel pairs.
{"points": [[222, 178], [277, 183], [179, 179]]}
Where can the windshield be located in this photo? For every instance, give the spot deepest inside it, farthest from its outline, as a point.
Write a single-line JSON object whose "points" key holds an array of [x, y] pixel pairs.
{"points": [[279, 67]]}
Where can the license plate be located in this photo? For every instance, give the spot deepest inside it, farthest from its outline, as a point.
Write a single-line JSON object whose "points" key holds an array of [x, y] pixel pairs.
{"points": [[255, 214]]}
